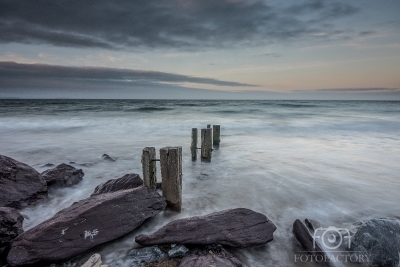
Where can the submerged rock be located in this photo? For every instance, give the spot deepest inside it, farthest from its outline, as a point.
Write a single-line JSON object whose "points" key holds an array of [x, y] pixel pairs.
{"points": [[84, 225], [20, 183], [107, 157], [10, 225], [235, 227], [379, 240], [63, 175], [127, 181]]}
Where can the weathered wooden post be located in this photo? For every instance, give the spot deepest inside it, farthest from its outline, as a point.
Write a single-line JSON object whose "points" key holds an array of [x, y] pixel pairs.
{"points": [[149, 167], [193, 146], [216, 135], [208, 125], [171, 173], [206, 143]]}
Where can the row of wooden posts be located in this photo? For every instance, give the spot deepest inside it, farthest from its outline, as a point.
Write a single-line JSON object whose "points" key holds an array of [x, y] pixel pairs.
{"points": [[171, 165], [208, 139]]}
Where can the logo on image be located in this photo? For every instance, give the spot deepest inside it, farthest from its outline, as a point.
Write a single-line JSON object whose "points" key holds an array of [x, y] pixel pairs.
{"points": [[331, 238]]}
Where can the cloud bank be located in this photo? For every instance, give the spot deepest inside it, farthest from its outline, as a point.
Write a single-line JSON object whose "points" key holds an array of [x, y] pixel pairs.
{"points": [[16, 75], [179, 24]]}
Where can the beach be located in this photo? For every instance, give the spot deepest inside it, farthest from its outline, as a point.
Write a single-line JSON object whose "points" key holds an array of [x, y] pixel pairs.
{"points": [[335, 162]]}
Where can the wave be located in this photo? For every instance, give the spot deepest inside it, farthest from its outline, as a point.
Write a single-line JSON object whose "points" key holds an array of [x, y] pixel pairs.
{"points": [[188, 105], [297, 105], [149, 109]]}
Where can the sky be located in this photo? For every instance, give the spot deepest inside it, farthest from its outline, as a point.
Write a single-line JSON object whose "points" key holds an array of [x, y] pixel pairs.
{"points": [[208, 49]]}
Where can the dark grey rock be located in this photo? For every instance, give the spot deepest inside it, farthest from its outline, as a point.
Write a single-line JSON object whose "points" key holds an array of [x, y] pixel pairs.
{"points": [[222, 258], [235, 227], [107, 157], [10, 225], [379, 239], [127, 181], [139, 256], [178, 251], [304, 233], [63, 175], [20, 183], [84, 225]]}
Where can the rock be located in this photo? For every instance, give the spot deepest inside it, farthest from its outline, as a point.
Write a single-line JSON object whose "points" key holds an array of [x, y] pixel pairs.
{"points": [[220, 259], [178, 251], [127, 181], [94, 261], [20, 183], [63, 175], [107, 157], [379, 239], [159, 186], [84, 225], [170, 262], [3, 256], [304, 233], [48, 165], [139, 256], [234, 227], [10, 225]]}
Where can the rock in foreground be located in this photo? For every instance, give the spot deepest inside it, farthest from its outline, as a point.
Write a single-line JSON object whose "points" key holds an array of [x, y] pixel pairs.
{"points": [[20, 183], [94, 261], [84, 225], [379, 239], [141, 256], [63, 175], [304, 233], [235, 227], [128, 181], [10, 225], [222, 258]]}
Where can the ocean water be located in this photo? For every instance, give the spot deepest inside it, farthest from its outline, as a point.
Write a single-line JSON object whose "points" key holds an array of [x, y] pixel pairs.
{"points": [[335, 162]]}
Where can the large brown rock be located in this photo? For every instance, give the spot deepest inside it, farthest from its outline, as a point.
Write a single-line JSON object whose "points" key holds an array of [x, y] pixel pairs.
{"points": [[10, 225], [84, 225], [234, 227], [63, 175], [19, 183], [128, 181]]}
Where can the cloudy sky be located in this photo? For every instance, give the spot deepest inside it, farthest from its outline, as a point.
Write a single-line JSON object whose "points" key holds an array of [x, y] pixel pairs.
{"points": [[246, 49]]}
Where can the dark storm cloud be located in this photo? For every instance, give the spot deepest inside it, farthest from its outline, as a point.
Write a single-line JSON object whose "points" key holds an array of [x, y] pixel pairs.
{"points": [[15, 75], [185, 24]]}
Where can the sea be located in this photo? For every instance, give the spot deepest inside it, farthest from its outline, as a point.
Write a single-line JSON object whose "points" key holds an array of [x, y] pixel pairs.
{"points": [[334, 162]]}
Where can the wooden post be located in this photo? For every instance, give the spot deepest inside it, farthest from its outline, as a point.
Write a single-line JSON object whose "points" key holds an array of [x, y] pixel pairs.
{"points": [[171, 173], [193, 146], [149, 167], [216, 135], [206, 143], [208, 125]]}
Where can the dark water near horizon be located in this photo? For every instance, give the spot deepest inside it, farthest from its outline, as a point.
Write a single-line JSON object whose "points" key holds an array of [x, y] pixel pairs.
{"points": [[336, 162]]}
